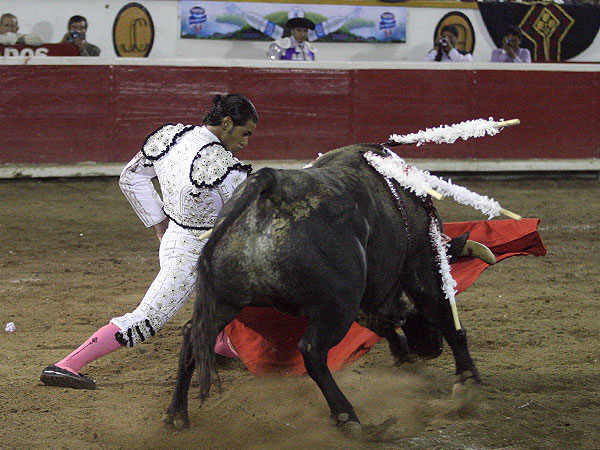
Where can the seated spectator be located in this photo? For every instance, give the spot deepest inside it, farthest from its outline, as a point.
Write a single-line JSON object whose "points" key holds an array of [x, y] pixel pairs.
{"points": [[9, 35], [76, 35], [511, 50], [444, 47], [295, 47]]}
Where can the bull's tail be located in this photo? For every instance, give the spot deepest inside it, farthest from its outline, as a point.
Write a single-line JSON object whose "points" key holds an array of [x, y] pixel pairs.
{"points": [[207, 324], [204, 332]]}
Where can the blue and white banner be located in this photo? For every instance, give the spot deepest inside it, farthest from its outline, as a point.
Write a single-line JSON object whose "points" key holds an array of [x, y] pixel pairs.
{"points": [[266, 21]]}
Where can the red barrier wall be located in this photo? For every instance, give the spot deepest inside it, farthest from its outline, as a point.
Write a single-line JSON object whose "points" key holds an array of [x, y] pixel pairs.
{"points": [[102, 113]]}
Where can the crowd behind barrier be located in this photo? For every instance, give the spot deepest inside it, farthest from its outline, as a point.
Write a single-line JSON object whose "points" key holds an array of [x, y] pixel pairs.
{"points": [[289, 45], [339, 101], [73, 42]]}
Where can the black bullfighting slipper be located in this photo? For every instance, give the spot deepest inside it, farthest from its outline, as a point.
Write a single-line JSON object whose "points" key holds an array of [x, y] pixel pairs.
{"points": [[55, 376]]}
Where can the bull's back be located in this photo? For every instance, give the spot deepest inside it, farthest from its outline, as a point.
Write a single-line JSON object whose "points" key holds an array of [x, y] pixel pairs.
{"points": [[335, 224], [282, 231]]}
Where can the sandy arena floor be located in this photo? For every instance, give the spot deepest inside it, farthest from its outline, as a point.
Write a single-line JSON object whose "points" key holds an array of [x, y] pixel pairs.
{"points": [[73, 255]]}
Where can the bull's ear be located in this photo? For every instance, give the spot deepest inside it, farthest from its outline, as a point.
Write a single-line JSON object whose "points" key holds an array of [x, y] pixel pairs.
{"points": [[456, 245]]}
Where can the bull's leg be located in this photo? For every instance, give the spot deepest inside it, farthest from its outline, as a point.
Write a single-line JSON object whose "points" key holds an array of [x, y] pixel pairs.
{"points": [[326, 328], [424, 339], [457, 340], [431, 303], [177, 413], [398, 344]]}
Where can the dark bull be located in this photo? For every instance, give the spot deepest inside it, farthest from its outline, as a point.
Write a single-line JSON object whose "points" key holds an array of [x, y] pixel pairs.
{"points": [[333, 243]]}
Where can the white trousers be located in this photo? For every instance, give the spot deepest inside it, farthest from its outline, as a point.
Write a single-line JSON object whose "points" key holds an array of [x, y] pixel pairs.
{"points": [[170, 290]]}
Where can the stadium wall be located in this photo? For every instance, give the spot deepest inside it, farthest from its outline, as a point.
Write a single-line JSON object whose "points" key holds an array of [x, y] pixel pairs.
{"points": [[66, 115], [74, 112]]}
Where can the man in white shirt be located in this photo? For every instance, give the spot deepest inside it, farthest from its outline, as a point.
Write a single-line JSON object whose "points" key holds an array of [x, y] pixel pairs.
{"points": [[9, 35], [444, 48], [197, 173]]}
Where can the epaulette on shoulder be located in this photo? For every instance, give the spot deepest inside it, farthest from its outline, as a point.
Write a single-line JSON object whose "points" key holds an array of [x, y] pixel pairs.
{"points": [[160, 142], [285, 42], [212, 164]]}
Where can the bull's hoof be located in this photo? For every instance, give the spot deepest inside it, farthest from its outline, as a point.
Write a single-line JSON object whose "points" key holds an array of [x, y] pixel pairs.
{"points": [[409, 358], [460, 390], [349, 424], [468, 378], [352, 429], [466, 390], [176, 419]]}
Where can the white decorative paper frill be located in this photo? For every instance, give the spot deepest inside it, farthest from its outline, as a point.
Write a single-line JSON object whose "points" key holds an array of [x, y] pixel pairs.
{"points": [[419, 181], [450, 133], [439, 244]]}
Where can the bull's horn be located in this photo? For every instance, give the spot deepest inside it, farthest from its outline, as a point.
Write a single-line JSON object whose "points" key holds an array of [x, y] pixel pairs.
{"points": [[477, 250]]}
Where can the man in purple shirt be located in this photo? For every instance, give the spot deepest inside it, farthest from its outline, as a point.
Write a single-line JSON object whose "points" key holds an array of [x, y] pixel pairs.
{"points": [[510, 51], [295, 47]]}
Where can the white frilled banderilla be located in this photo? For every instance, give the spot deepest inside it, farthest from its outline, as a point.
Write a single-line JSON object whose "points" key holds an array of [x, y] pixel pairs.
{"points": [[422, 183]]}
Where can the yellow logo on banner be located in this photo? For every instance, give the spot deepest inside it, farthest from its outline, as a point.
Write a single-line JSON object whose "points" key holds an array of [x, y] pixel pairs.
{"points": [[133, 31], [551, 25]]}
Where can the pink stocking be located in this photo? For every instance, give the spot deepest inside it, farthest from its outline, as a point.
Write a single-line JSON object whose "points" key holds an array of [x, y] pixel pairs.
{"points": [[101, 343], [223, 346]]}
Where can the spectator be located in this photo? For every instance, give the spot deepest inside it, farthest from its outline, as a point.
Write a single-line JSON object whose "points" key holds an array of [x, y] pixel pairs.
{"points": [[9, 35], [295, 47], [444, 47], [511, 50], [76, 35]]}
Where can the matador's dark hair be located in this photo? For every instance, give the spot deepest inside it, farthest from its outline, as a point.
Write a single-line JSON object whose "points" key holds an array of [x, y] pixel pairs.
{"points": [[236, 106]]}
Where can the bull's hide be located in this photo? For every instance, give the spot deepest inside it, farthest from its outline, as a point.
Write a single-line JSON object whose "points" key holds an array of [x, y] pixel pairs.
{"points": [[267, 340]]}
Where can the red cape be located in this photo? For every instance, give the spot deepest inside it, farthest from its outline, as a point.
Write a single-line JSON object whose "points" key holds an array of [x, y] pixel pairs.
{"points": [[267, 340]]}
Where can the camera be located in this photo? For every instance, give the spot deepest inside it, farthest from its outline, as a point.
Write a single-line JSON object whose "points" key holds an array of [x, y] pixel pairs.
{"points": [[74, 35], [443, 41]]}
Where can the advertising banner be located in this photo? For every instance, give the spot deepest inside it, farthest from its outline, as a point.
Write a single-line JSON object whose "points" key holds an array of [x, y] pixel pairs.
{"points": [[551, 32], [266, 21]]}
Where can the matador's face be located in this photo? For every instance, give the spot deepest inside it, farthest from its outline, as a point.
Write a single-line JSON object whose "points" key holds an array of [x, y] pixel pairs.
{"points": [[236, 137]]}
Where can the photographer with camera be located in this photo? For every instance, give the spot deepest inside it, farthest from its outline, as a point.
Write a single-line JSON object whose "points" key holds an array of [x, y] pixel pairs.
{"points": [[511, 50], [76, 35], [444, 47]]}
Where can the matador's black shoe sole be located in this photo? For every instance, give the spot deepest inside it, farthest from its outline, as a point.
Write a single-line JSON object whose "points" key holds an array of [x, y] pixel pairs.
{"points": [[55, 376]]}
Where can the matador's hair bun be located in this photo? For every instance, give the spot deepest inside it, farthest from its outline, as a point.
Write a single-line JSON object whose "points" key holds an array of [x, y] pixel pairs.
{"points": [[236, 106]]}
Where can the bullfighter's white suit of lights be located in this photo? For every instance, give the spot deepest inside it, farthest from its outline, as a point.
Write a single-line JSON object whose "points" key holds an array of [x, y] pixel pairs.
{"points": [[191, 203]]}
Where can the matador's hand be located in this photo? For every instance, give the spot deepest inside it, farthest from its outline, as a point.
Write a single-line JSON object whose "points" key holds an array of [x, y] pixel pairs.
{"points": [[160, 228]]}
